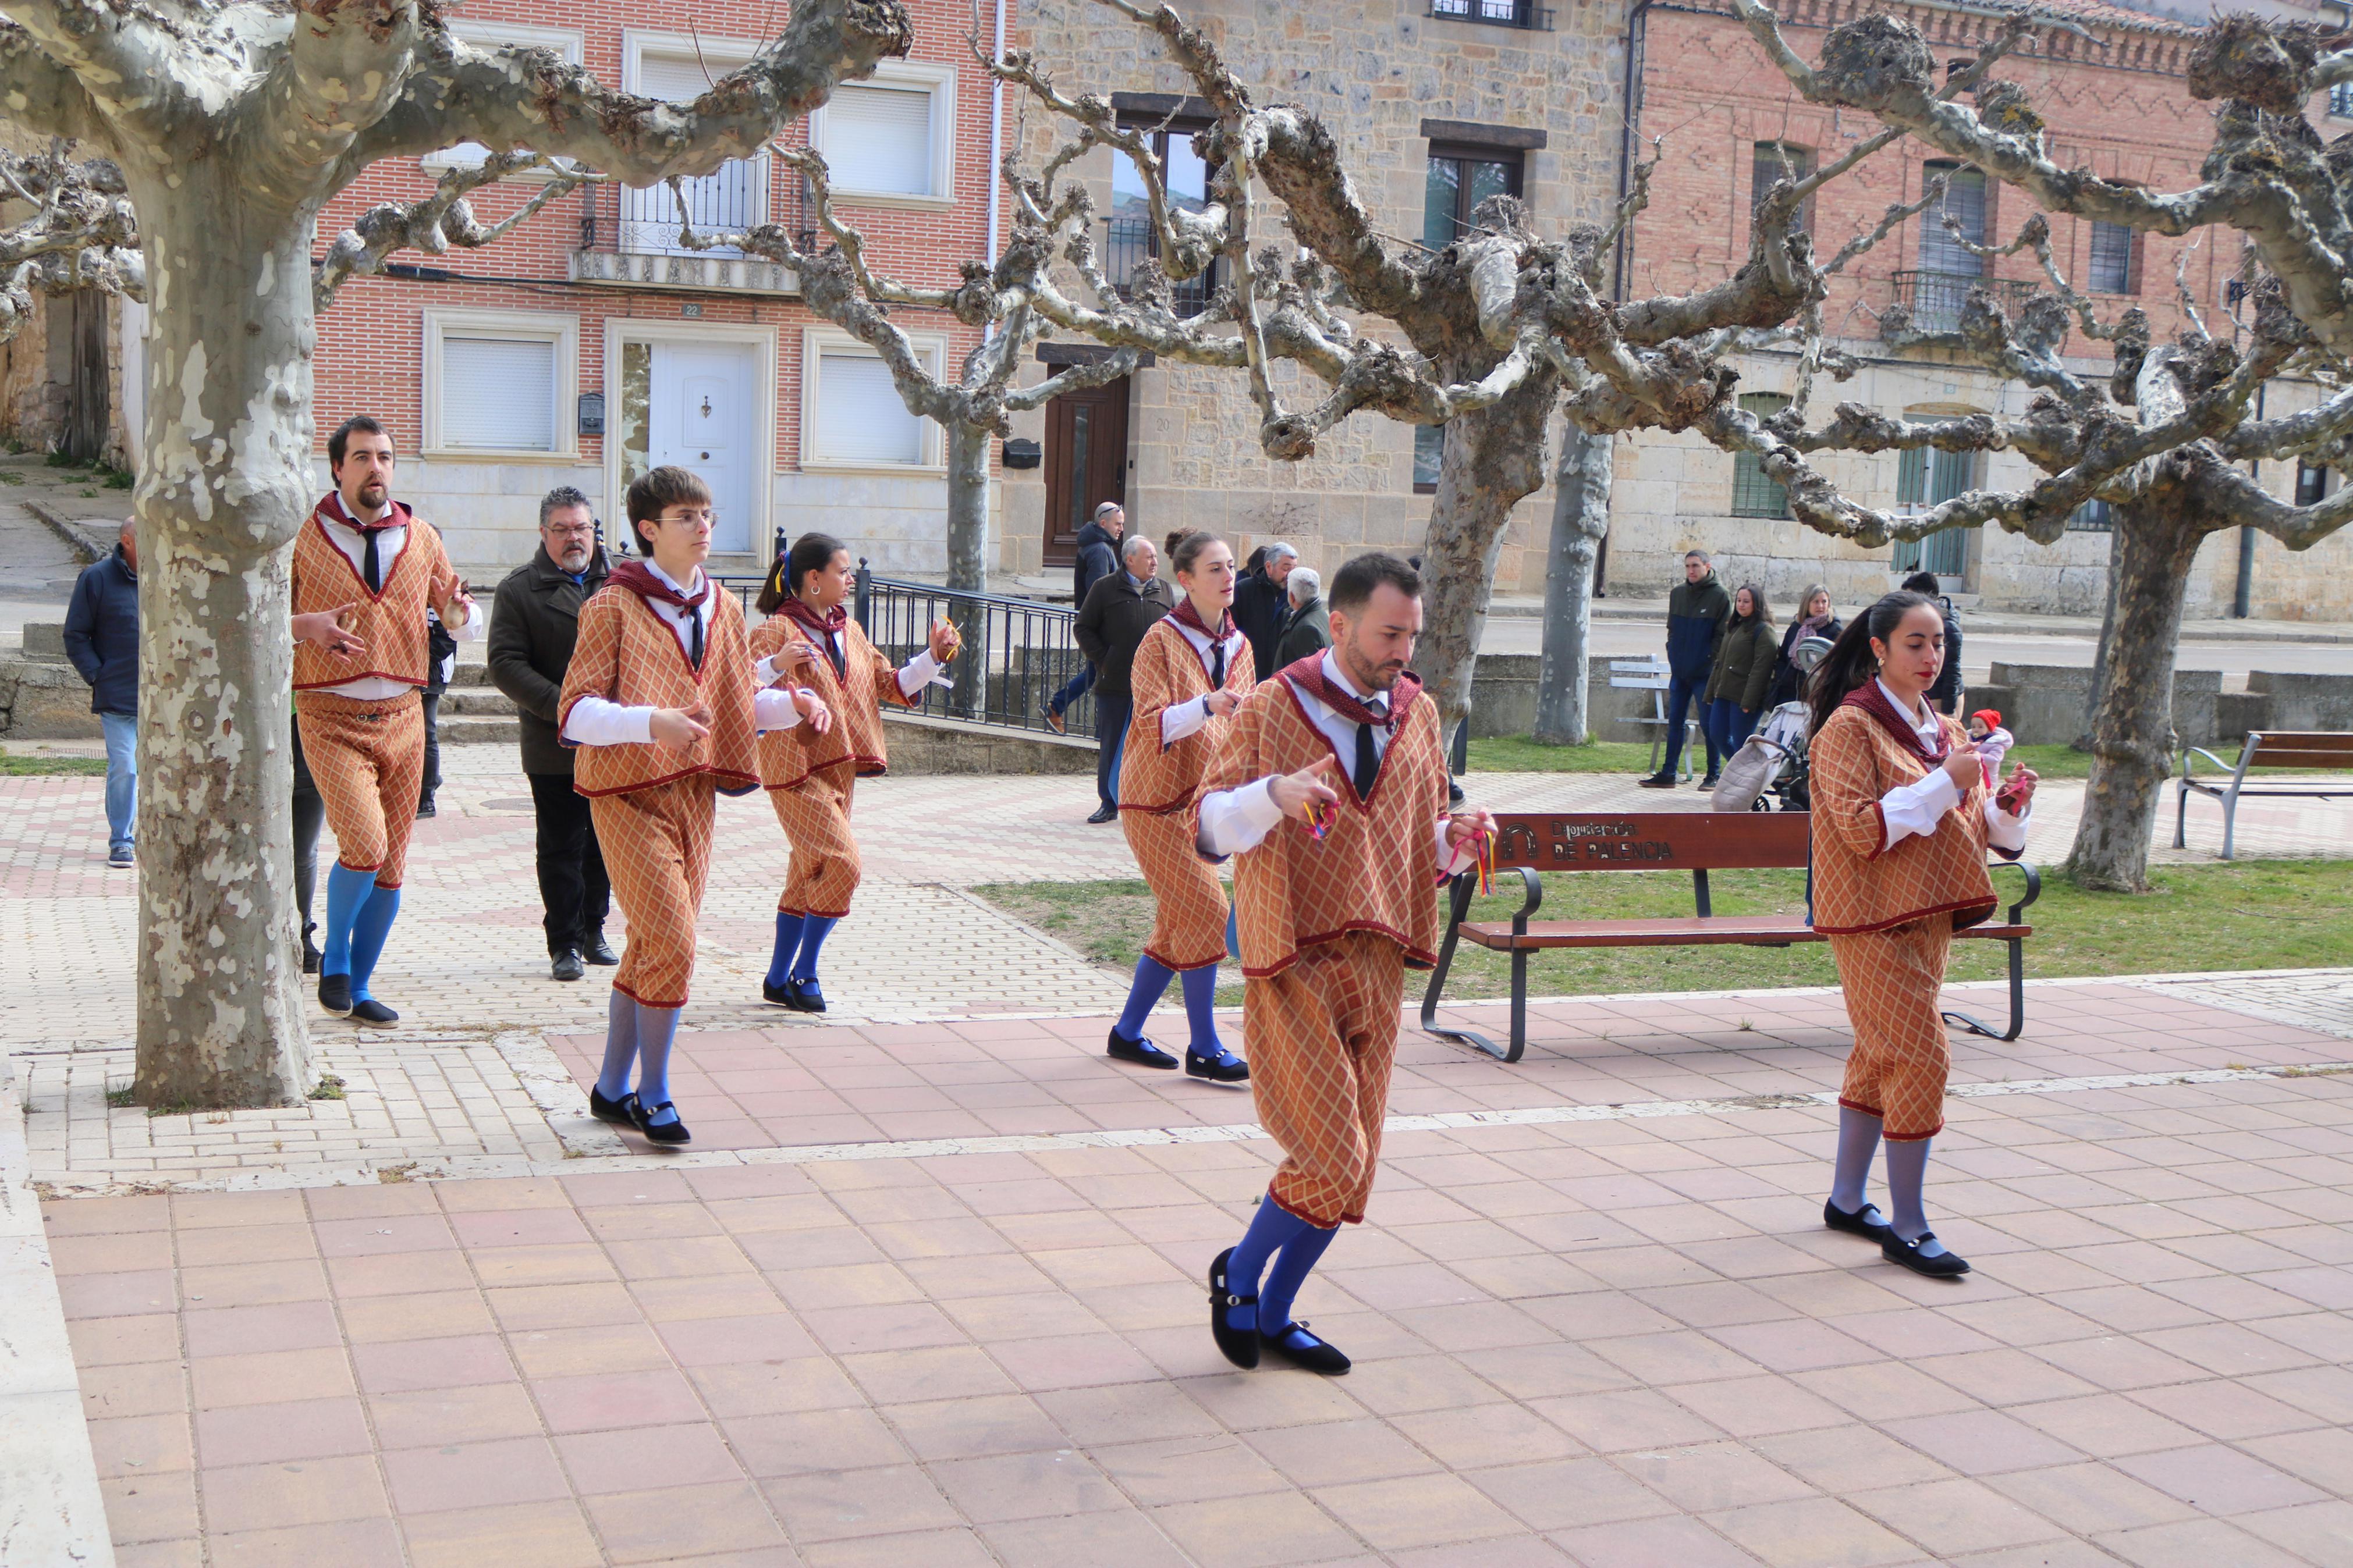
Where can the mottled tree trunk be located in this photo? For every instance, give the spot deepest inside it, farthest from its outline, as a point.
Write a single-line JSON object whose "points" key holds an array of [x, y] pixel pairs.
{"points": [[968, 562], [2132, 707], [1580, 519], [223, 490]]}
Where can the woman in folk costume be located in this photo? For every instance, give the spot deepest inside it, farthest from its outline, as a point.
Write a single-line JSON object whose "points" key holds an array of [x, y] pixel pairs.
{"points": [[1191, 671], [1904, 812], [1331, 790], [809, 773], [659, 698]]}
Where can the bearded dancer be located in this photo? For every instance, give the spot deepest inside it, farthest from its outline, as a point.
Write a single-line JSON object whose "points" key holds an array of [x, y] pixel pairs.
{"points": [[1191, 671], [810, 774], [660, 699], [1329, 921], [367, 566], [1902, 817]]}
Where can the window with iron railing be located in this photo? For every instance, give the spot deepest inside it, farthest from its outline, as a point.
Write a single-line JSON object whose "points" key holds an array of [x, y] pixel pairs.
{"points": [[1754, 492], [2340, 101], [1494, 13], [1458, 179], [1429, 451], [2112, 271], [1773, 162], [2094, 516], [1128, 235]]}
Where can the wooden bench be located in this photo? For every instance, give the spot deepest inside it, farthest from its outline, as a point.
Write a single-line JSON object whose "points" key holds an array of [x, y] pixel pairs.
{"points": [[2263, 749], [1696, 842]]}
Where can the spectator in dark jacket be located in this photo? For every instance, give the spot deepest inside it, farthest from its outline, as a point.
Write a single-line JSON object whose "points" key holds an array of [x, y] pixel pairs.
{"points": [[1308, 627], [1814, 620], [1743, 671], [441, 666], [1696, 612], [1119, 610], [1098, 559], [1944, 695], [103, 640], [535, 621], [1262, 604]]}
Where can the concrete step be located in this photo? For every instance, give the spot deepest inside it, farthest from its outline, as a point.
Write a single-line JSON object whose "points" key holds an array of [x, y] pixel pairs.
{"points": [[466, 729], [476, 702]]}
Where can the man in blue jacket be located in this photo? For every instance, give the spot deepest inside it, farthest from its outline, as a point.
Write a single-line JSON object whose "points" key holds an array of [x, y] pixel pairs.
{"points": [[103, 640], [1099, 549], [1696, 612]]}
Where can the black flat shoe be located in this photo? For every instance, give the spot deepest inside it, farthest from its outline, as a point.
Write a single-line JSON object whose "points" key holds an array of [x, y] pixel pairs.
{"points": [[335, 994], [1104, 814], [599, 951], [1860, 1222], [424, 807], [671, 1132], [1142, 1053], [310, 952], [621, 1112], [1224, 1067], [1312, 1356], [566, 966], [1658, 781], [1944, 1266], [778, 995], [1239, 1346], [368, 1010], [805, 996]]}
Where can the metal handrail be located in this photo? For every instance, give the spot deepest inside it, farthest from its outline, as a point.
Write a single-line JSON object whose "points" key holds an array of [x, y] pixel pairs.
{"points": [[1936, 300]]}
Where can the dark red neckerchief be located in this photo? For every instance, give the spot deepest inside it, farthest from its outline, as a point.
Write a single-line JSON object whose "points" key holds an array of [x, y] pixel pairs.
{"points": [[822, 630], [638, 578], [1185, 614], [396, 515], [1307, 675], [1873, 701]]}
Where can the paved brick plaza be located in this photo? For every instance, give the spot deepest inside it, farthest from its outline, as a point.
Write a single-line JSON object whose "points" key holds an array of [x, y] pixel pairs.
{"points": [[926, 1289]]}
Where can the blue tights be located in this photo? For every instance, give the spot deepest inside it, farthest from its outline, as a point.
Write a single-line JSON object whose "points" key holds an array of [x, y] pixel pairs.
{"points": [[637, 1035], [1200, 989], [1292, 1245]]}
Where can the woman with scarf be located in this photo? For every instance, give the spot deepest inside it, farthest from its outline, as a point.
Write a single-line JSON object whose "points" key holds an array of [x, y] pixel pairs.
{"points": [[1814, 620], [1191, 671], [1902, 817], [660, 699], [810, 636]]}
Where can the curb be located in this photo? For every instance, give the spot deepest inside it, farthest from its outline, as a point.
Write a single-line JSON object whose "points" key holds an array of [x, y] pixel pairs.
{"points": [[87, 545]]}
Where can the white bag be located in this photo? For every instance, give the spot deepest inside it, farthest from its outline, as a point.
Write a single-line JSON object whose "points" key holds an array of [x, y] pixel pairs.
{"points": [[1753, 767]]}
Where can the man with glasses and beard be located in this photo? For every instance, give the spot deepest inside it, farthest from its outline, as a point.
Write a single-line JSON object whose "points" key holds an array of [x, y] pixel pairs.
{"points": [[535, 622]]}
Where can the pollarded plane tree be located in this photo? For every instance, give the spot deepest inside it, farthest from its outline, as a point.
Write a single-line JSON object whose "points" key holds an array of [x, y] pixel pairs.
{"points": [[231, 125], [2165, 441], [80, 233]]}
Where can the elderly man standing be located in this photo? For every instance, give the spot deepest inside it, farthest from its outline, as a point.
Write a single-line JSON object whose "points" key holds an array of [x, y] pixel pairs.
{"points": [[1308, 627], [536, 620], [1098, 559], [1260, 606], [103, 640], [1119, 610]]}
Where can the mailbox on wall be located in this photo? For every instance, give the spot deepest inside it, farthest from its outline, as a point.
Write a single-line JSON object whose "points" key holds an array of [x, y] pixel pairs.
{"points": [[1021, 453]]}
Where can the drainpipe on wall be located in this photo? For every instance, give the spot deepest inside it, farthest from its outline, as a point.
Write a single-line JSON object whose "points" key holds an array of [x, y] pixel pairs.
{"points": [[996, 143], [1638, 34], [2245, 590]]}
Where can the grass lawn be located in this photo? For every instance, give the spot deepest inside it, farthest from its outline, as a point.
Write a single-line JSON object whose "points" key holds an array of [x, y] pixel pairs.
{"points": [[1518, 754], [14, 766], [2268, 915]]}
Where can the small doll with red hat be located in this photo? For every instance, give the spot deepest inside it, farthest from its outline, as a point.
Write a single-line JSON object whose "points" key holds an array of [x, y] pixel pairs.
{"points": [[1993, 742]]}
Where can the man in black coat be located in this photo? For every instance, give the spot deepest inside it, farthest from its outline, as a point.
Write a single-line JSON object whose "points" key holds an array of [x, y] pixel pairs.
{"points": [[1945, 694], [102, 641], [1262, 603], [1098, 559], [1119, 610], [535, 622]]}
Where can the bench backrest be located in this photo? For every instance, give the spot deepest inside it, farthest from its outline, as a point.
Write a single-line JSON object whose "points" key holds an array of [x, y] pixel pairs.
{"points": [[1651, 841], [1641, 674], [2298, 749]]}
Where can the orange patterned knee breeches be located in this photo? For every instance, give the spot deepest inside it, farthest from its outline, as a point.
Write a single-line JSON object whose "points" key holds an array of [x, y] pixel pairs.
{"points": [[1188, 917], [368, 761], [1901, 1057], [823, 871], [1322, 1036], [657, 849]]}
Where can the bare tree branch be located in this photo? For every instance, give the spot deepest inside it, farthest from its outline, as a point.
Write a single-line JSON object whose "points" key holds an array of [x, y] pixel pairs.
{"points": [[437, 222]]}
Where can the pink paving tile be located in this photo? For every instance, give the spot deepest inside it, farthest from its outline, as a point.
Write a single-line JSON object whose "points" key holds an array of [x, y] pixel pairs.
{"points": [[645, 1457], [293, 1492], [474, 1475], [349, 1543], [537, 1226], [711, 1341], [241, 1330], [467, 1360], [682, 1523], [2218, 1480], [266, 1434], [613, 1401]]}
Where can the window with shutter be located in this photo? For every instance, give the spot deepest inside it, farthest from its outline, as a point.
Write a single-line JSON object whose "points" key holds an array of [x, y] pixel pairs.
{"points": [[860, 416], [732, 198], [2111, 270], [492, 35], [878, 139], [1965, 202], [1753, 494], [498, 393], [1428, 452], [1776, 161]]}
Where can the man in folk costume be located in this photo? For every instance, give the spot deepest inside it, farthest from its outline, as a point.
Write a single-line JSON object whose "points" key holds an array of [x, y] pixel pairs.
{"points": [[659, 698], [1191, 671], [1332, 790], [1904, 812], [366, 570], [810, 774]]}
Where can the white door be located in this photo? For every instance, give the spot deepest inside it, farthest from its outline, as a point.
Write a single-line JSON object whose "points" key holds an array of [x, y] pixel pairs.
{"points": [[700, 418]]}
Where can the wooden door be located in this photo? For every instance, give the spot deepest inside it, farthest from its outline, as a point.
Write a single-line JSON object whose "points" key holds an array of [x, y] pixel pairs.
{"points": [[1086, 462], [88, 408]]}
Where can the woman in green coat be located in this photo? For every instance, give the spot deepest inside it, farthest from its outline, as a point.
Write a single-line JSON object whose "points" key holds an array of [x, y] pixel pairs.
{"points": [[1745, 656]]}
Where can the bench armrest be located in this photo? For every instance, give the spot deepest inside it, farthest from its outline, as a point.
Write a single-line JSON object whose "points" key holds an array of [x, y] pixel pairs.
{"points": [[1532, 881], [2189, 751], [2033, 876]]}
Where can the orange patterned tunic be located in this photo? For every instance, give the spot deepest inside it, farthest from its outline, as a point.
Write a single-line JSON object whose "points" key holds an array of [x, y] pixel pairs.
{"points": [[389, 623], [867, 681], [1169, 670], [1859, 883], [628, 654]]}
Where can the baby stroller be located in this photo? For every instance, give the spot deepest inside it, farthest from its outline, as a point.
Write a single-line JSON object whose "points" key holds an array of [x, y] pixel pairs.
{"points": [[1772, 761]]}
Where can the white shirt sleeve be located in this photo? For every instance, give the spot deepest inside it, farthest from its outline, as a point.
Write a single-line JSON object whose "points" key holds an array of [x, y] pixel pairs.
{"points": [[765, 673], [2004, 831], [470, 629], [772, 710], [917, 673], [1182, 720], [1236, 820], [601, 721], [1917, 809]]}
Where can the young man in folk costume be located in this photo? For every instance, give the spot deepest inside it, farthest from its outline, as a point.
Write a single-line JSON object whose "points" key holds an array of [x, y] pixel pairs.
{"points": [[811, 774], [1191, 671], [660, 699], [365, 572], [1332, 790], [1903, 810]]}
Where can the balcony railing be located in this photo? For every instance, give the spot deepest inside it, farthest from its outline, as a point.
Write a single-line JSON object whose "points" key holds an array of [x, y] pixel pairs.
{"points": [[1934, 301], [1128, 244], [631, 235], [1494, 13]]}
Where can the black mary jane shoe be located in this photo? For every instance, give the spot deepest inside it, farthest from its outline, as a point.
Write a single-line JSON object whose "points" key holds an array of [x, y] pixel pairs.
{"points": [[1142, 1053], [777, 995], [335, 994], [600, 952], [1223, 1067], [368, 1010], [806, 997], [673, 1131], [1943, 1265], [1312, 1356], [621, 1112], [1239, 1346], [1860, 1222]]}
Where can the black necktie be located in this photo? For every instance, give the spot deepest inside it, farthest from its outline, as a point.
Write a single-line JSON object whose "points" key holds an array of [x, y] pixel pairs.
{"points": [[370, 569], [694, 624], [833, 655], [1368, 762], [1218, 664]]}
